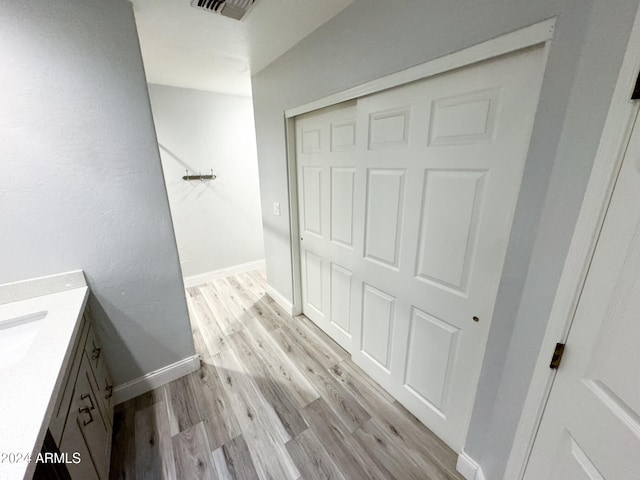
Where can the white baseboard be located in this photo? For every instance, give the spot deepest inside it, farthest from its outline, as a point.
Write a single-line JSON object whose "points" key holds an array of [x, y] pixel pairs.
{"points": [[201, 278], [468, 467], [155, 379], [280, 299]]}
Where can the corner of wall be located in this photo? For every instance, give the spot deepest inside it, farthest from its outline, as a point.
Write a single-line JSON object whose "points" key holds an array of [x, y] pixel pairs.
{"points": [[280, 299], [155, 379]]}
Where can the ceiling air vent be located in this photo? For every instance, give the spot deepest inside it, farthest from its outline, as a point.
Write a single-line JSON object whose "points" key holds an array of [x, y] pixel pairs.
{"points": [[235, 9]]}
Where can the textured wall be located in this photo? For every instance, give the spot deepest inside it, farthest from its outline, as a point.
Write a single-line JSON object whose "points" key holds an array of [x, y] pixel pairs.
{"points": [[372, 38], [218, 224], [81, 183]]}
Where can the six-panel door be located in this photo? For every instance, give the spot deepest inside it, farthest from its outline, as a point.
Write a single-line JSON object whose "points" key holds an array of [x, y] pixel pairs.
{"points": [[406, 204]]}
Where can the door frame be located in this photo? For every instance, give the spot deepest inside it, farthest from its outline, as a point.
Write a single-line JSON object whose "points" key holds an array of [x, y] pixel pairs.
{"points": [[608, 160], [536, 34]]}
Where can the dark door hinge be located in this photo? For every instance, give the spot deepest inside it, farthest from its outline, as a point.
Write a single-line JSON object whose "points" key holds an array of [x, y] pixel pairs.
{"points": [[636, 90], [557, 356]]}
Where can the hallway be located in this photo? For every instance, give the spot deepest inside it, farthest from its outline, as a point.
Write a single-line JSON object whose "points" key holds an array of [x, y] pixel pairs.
{"points": [[274, 398]]}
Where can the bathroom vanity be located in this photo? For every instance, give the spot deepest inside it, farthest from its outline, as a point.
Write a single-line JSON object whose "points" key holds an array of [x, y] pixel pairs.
{"points": [[56, 408]]}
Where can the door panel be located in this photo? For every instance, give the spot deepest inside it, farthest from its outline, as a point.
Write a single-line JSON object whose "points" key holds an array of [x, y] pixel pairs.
{"points": [[312, 177], [341, 297], [572, 463], [430, 358], [311, 141], [314, 281], [464, 119], [378, 317], [343, 136], [389, 129], [592, 417], [385, 199], [342, 205], [419, 213], [447, 241]]}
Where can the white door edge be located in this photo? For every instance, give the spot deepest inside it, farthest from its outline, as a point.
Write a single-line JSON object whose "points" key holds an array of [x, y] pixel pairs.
{"points": [[294, 218], [613, 142], [511, 42]]}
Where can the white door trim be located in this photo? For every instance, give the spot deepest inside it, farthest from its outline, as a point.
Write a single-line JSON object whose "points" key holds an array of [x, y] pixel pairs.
{"points": [[613, 143], [294, 218], [510, 42], [517, 40]]}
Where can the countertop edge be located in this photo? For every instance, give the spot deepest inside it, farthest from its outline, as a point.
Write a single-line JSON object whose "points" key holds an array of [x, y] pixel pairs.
{"points": [[38, 287]]}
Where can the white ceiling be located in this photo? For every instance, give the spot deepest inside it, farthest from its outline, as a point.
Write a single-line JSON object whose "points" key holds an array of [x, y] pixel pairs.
{"points": [[186, 47]]}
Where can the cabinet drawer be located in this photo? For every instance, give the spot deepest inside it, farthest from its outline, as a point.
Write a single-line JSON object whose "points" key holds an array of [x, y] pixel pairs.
{"points": [[101, 377], [61, 409], [86, 421], [93, 349]]}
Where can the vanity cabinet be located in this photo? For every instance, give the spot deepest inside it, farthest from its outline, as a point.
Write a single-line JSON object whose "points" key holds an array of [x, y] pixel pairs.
{"points": [[83, 414], [101, 379]]}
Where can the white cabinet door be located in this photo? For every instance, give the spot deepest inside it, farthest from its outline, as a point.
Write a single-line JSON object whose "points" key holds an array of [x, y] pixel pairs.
{"points": [[86, 432], [101, 381], [80, 465], [591, 424], [429, 190]]}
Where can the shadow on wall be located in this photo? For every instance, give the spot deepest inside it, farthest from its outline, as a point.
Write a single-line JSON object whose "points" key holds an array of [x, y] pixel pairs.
{"points": [[190, 171], [143, 339]]}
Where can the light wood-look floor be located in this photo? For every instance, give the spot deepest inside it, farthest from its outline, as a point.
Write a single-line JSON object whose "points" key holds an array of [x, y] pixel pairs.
{"points": [[275, 398]]}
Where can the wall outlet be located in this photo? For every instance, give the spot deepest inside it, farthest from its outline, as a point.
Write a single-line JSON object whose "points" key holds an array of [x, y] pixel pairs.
{"points": [[276, 208]]}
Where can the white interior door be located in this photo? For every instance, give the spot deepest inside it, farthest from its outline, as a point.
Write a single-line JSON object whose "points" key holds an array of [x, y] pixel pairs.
{"points": [[591, 424], [429, 189]]}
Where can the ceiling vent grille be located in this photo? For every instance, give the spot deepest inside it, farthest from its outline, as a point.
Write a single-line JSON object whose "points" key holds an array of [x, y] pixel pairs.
{"points": [[235, 9]]}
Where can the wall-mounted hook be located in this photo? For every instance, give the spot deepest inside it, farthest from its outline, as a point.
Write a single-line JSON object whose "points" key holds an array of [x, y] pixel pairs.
{"points": [[199, 176]]}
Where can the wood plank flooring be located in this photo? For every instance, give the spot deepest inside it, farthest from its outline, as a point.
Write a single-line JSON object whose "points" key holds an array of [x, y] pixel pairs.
{"points": [[275, 399]]}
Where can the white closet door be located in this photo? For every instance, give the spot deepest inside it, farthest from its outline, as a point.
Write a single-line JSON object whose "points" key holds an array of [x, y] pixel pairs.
{"points": [[591, 424], [326, 171], [436, 170]]}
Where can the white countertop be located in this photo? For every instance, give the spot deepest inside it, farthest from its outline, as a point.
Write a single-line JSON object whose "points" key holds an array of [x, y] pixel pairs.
{"points": [[30, 385]]}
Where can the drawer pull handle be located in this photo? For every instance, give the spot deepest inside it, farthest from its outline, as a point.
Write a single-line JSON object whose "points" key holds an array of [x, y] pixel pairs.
{"points": [[96, 353], [86, 410], [86, 395], [109, 390]]}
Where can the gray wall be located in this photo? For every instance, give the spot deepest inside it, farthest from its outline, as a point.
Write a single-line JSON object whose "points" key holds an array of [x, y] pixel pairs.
{"points": [[372, 38], [218, 223], [81, 184]]}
